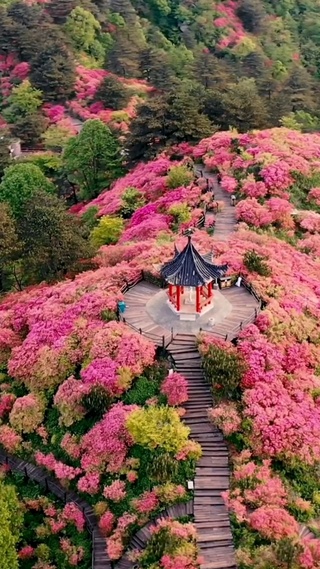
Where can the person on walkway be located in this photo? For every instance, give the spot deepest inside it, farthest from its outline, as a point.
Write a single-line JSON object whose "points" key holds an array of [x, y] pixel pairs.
{"points": [[233, 200]]}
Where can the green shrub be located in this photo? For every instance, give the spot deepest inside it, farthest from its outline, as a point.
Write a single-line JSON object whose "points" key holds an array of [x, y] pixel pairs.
{"points": [[224, 369], [158, 427], [142, 390], [180, 212], [97, 401], [179, 176], [163, 468], [89, 217], [107, 231], [256, 263], [11, 523], [132, 200]]}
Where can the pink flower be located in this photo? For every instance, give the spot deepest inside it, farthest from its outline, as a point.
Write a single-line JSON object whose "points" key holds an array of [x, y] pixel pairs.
{"points": [[72, 514], [116, 491], [89, 483], [147, 503], [175, 387], [26, 552], [274, 523], [106, 523]]}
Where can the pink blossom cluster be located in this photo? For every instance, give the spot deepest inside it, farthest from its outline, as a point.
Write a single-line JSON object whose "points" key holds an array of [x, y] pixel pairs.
{"points": [[106, 445], [116, 491], [27, 413], [226, 417], [116, 543], [11, 71], [146, 503], [62, 471], [314, 196], [175, 388], [73, 553]]}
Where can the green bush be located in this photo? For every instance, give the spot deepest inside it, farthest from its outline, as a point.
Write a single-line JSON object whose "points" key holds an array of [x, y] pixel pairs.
{"points": [[179, 176], [132, 200], [158, 427], [11, 523], [107, 231], [142, 390], [89, 217], [224, 369], [256, 263], [180, 212]]}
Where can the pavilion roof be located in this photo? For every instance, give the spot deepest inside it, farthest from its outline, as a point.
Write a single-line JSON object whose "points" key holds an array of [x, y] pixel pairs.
{"points": [[189, 268]]}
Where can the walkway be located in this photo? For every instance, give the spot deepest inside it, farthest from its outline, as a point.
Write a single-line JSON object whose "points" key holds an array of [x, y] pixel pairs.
{"points": [[100, 559], [212, 473], [148, 312], [225, 221]]}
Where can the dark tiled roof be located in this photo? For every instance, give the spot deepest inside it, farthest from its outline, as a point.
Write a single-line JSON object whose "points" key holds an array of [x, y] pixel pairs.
{"points": [[189, 268]]}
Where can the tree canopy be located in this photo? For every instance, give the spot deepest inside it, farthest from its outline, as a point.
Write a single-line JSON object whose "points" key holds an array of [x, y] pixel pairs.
{"points": [[93, 158], [19, 183]]}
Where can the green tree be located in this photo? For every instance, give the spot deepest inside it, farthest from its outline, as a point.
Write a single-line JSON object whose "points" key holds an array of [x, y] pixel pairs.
{"points": [[107, 231], [299, 90], [20, 182], [24, 100], [59, 10], [56, 137], [113, 94], [243, 108], [30, 128], [10, 246], [124, 57], [252, 14], [155, 67], [53, 72], [167, 119], [54, 242], [93, 158], [11, 523], [5, 157], [82, 28]]}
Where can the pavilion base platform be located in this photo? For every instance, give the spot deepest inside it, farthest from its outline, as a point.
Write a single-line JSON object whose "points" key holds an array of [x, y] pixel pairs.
{"points": [[187, 310], [159, 311]]}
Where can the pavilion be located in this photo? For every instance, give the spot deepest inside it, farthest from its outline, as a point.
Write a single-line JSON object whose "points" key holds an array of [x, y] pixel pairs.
{"points": [[189, 271]]}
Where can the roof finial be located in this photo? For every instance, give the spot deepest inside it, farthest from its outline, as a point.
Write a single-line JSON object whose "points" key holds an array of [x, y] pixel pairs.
{"points": [[189, 232]]}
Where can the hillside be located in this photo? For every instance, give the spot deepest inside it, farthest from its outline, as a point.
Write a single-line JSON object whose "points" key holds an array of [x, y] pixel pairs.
{"points": [[84, 395], [246, 64]]}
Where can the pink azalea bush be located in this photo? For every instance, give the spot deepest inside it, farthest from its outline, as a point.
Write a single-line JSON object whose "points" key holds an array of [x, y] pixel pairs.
{"points": [[27, 413], [175, 387]]}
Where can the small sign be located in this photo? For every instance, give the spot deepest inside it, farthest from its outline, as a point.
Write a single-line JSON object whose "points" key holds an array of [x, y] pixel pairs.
{"points": [[190, 485]]}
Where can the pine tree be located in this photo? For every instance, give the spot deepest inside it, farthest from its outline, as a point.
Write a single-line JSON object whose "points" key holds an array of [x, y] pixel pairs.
{"points": [[59, 10], [164, 120], [155, 68], [112, 93], [243, 108], [53, 72], [53, 239]]}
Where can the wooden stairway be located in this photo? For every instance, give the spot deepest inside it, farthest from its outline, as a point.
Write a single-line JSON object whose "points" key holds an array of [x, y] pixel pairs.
{"points": [[212, 473]]}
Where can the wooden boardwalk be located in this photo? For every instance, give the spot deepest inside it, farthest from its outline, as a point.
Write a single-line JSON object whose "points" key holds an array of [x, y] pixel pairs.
{"points": [[244, 310], [225, 221], [141, 538], [100, 559], [212, 473]]}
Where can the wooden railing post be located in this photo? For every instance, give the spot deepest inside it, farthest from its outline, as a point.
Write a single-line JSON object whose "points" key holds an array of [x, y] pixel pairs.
{"points": [[140, 331]]}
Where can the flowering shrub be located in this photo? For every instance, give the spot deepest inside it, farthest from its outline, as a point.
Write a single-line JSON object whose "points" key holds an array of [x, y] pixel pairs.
{"points": [[27, 413], [175, 387], [172, 545], [68, 400], [116, 491]]}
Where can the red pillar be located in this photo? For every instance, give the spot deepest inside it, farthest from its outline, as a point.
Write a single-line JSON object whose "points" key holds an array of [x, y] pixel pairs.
{"points": [[178, 306], [170, 292], [198, 304], [209, 290]]}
